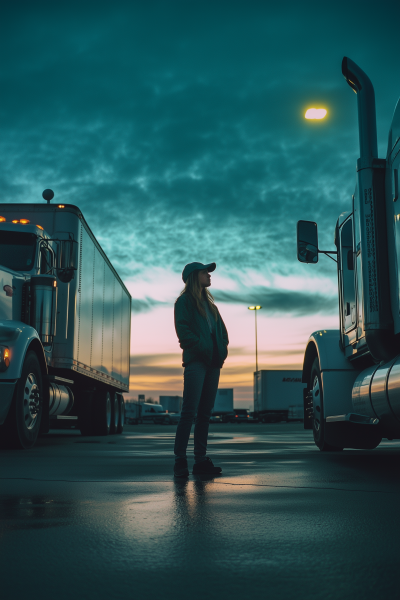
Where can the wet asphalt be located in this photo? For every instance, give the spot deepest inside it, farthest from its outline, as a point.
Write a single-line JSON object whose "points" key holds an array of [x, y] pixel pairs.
{"points": [[103, 518]]}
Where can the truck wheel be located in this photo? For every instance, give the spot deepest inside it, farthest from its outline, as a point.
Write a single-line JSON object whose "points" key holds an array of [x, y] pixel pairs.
{"points": [[102, 413], [21, 427], [318, 409], [115, 415], [121, 421]]}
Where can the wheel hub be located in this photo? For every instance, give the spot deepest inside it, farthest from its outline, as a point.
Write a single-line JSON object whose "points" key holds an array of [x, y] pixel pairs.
{"points": [[31, 402]]}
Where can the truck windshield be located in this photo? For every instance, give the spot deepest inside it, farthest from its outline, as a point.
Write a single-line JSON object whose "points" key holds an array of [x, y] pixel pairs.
{"points": [[17, 250]]}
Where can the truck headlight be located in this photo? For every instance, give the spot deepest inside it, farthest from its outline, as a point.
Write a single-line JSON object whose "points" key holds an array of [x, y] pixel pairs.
{"points": [[4, 358]]}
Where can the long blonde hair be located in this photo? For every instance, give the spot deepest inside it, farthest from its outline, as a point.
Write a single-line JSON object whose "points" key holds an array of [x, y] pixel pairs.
{"points": [[199, 294]]}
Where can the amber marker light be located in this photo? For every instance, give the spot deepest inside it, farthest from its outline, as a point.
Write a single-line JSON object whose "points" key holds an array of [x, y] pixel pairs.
{"points": [[61, 206], [2, 219], [316, 113], [24, 221], [4, 358], [39, 227], [15, 221]]}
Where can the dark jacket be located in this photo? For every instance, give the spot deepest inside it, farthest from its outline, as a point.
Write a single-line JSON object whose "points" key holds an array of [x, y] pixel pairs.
{"points": [[194, 333]]}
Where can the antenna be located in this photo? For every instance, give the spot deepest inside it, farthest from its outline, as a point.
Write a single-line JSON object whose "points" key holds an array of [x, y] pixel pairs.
{"points": [[48, 195]]}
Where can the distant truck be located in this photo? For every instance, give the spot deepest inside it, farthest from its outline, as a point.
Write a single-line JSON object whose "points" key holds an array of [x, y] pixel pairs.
{"points": [[223, 405], [274, 392], [64, 325], [146, 412], [352, 375]]}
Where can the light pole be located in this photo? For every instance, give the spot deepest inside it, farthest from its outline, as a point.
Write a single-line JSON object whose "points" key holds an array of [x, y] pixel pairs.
{"points": [[256, 308]]}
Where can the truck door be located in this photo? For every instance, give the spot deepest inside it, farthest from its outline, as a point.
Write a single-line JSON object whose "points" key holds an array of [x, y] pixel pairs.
{"points": [[348, 279]]}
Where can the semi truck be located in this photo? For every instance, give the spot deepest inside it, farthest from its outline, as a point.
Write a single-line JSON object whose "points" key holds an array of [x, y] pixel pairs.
{"points": [[65, 321], [145, 412], [274, 392], [352, 375]]}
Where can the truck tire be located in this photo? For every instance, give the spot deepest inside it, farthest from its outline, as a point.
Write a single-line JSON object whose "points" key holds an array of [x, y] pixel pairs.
{"points": [[121, 421], [318, 409], [102, 412], [115, 412], [21, 427]]}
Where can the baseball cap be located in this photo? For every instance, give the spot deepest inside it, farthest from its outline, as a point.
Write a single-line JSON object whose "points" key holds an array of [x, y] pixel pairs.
{"points": [[195, 266]]}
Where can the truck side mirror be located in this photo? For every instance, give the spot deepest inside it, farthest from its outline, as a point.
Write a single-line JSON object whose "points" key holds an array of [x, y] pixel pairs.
{"points": [[67, 260], [307, 242]]}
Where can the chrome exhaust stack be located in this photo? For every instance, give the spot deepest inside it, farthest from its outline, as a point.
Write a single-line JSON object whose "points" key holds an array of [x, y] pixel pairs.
{"points": [[361, 84], [44, 307]]}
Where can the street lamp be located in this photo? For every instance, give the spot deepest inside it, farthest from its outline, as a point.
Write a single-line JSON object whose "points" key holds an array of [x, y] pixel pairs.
{"points": [[256, 308]]}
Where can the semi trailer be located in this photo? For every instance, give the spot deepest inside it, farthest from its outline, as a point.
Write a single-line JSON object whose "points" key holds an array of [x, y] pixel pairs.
{"points": [[274, 392], [65, 321], [352, 375]]}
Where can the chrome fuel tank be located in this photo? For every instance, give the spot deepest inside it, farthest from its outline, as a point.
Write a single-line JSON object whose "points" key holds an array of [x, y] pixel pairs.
{"points": [[376, 393]]}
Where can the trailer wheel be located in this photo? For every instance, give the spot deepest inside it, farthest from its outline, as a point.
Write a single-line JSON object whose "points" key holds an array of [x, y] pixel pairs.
{"points": [[102, 413], [115, 412], [121, 421], [21, 427], [318, 409]]}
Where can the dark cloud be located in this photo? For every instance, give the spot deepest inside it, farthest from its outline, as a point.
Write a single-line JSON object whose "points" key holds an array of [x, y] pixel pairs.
{"points": [[177, 126], [281, 301], [145, 305]]}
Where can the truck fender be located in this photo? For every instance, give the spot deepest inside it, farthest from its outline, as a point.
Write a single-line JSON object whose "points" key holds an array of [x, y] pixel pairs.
{"points": [[337, 373], [21, 338]]}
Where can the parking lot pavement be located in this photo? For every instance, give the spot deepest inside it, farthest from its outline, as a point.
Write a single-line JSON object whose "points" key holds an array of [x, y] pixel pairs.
{"points": [[103, 518]]}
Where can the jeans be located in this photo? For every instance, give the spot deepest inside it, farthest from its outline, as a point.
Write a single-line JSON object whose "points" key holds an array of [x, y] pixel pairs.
{"points": [[200, 385]]}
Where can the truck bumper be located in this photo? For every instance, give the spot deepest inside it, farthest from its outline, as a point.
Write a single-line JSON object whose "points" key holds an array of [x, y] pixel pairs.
{"points": [[6, 396]]}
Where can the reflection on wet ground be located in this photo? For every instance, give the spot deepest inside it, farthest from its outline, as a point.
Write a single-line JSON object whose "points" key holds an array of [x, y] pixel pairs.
{"points": [[284, 520]]}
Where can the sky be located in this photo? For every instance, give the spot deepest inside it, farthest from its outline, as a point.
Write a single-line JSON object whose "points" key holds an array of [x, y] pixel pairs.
{"points": [[178, 128]]}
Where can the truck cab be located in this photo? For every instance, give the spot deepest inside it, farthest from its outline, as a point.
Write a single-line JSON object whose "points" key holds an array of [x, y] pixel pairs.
{"points": [[353, 389], [64, 325]]}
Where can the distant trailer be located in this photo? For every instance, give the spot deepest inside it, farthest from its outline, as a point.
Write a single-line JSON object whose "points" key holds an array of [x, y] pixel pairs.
{"points": [[223, 405], [171, 404], [296, 412], [274, 392]]}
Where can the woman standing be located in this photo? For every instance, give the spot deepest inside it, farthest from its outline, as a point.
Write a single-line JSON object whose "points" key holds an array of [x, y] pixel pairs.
{"points": [[204, 340]]}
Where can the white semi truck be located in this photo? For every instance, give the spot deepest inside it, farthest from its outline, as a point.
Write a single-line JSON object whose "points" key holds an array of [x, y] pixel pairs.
{"points": [[64, 325], [352, 398]]}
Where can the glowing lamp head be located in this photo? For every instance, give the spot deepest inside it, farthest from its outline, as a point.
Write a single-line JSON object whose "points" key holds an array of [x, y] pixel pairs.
{"points": [[39, 227], [24, 221], [254, 307], [2, 219], [316, 113], [61, 206]]}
